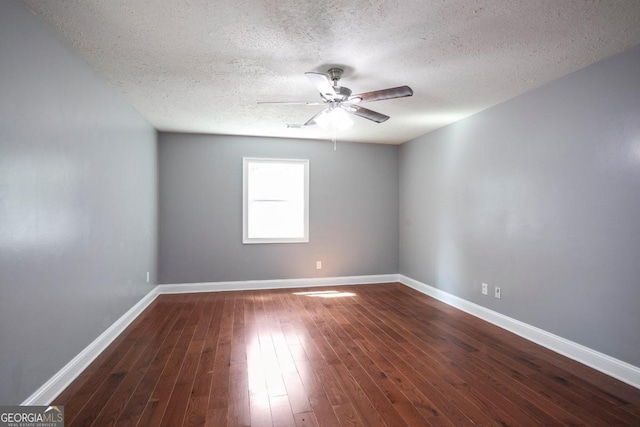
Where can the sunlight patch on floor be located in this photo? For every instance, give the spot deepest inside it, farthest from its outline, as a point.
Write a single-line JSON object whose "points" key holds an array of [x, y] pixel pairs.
{"points": [[326, 294]]}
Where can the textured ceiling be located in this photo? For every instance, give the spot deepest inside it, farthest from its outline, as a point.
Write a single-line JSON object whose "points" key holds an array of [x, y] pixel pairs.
{"points": [[201, 66]]}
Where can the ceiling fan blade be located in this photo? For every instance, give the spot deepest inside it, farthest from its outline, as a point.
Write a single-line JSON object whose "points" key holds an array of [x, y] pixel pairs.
{"points": [[312, 120], [322, 83], [377, 95], [367, 114], [292, 103]]}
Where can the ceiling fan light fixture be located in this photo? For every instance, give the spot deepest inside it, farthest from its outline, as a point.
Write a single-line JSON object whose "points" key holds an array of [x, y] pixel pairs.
{"points": [[334, 119]]}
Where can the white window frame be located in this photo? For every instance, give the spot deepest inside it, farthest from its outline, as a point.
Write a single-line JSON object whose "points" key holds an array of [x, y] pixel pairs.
{"points": [[245, 202]]}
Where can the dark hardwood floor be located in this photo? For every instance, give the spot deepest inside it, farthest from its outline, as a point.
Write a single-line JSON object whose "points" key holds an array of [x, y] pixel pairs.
{"points": [[370, 355]]}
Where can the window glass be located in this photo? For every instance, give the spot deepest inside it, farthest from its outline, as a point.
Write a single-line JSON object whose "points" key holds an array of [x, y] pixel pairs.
{"points": [[275, 201]]}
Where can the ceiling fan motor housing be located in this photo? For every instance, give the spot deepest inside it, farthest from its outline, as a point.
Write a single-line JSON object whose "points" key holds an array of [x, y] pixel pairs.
{"points": [[335, 74]]}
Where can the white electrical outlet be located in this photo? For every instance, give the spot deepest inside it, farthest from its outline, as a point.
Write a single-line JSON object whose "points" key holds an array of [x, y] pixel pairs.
{"points": [[498, 292], [147, 277], [485, 289], [318, 265]]}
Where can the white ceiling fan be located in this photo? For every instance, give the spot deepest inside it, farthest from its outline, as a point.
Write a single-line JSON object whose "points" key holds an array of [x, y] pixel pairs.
{"points": [[338, 98]]}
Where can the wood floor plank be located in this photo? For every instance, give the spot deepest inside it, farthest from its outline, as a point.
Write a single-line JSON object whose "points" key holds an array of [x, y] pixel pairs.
{"points": [[267, 326], [323, 411], [347, 415], [281, 414], [297, 394], [159, 400], [360, 355], [447, 394], [99, 372], [357, 358], [138, 401], [305, 419], [136, 343], [420, 355], [632, 409], [479, 402], [219, 395], [120, 397], [519, 393], [260, 410], [480, 393], [239, 410], [183, 388], [359, 398], [198, 400], [312, 385], [381, 354]]}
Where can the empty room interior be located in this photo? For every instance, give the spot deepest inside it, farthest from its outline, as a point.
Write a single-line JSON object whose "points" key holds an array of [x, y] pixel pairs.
{"points": [[376, 213]]}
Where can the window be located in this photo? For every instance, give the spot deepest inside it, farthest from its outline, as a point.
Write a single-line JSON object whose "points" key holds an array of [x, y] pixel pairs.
{"points": [[275, 205]]}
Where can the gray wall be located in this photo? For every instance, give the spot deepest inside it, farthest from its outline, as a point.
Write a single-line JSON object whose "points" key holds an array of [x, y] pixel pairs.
{"points": [[541, 196], [78, 192], [353, 210]]}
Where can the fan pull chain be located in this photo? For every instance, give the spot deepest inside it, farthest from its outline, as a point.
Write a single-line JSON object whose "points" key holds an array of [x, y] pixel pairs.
{"points": [[335, 144]]}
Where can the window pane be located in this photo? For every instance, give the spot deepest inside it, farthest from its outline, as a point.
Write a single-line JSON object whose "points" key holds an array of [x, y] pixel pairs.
{"points": [[276, 181], [276, 220], [275, 200]]}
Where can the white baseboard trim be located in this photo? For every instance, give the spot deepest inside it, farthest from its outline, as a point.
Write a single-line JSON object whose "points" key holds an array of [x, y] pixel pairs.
{"points": [[56, 384], [606, 364], [250, 285]]}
